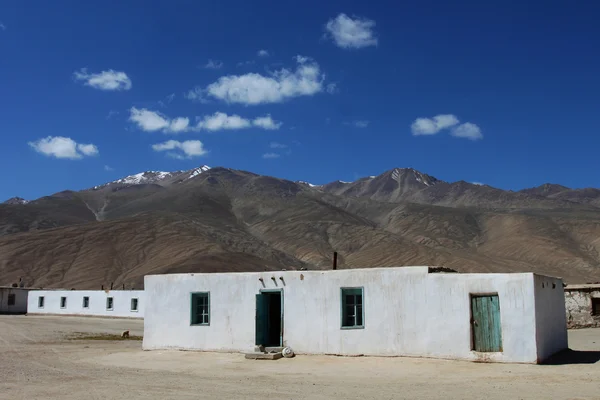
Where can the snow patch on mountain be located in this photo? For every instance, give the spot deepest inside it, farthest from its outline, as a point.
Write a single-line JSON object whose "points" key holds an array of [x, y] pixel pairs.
{"points": [[198, 171], [149, 177], [16, 200], [307, 184]]}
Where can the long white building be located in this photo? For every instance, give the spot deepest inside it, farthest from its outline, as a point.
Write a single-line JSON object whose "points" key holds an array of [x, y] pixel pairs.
{"points": [[101, 303], [408, 311]]}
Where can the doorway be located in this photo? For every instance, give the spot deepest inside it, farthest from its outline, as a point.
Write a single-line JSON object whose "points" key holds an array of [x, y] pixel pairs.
{"points": [[269, 318], [485, 323]]}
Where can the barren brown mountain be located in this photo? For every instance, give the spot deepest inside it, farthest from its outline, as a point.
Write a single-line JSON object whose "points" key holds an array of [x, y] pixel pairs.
{"points": [[206, 220]]}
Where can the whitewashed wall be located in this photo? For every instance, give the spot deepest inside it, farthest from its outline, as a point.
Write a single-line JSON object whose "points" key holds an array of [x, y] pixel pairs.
{"points": [[97, 304], [550, 316], [407, 312], [20, 305]]}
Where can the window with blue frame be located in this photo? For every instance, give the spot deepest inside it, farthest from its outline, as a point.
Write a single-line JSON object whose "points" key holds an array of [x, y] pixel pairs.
{"points": [[352, 308]]}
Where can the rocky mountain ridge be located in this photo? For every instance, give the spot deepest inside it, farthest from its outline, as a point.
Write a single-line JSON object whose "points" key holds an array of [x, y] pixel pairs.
{"points": [[400, 184], [220, 219]]}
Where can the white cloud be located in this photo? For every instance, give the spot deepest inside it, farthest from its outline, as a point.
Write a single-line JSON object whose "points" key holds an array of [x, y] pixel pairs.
{"points": [[270, 155], [214, 64], [266, 122], [112, 113], [147, 120], [253, 88], [2, 26], [478, 183], [349, 33], [63, 147], [179, 124], [361, 124], [168, 100], [196, 94], [108, 168], [468, 131], [263, 53], [181, 150], [87, 149], [105, 80], [331, 88], [244, 63], [151, 121], [220, 120], [431, 126], [275, 145]]}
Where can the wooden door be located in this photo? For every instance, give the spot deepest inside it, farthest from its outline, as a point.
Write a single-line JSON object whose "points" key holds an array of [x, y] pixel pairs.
{"points": [[485, 323]]}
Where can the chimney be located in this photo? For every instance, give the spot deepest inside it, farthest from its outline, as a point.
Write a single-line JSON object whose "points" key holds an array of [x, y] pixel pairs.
{"points": [[335, 260]]}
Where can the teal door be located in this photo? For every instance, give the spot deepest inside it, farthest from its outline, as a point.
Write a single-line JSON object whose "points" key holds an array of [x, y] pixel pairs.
{"points": [[485, 323], [269, 318], [262, 314]]}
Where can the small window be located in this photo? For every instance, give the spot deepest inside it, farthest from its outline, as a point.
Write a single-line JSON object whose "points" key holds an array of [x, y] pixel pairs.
{"points": [[595, 305], [41, 302], [201, 308], [86, 302], [109, 303], [63, 302], [134, 304], [352, 308], [12, 299]]}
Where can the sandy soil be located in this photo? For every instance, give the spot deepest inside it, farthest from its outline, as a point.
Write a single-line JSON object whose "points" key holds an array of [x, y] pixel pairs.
{"points": [[38, 361]]}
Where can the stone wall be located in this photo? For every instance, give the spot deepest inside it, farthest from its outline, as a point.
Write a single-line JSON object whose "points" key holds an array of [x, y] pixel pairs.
{"points": [[578, 302]]}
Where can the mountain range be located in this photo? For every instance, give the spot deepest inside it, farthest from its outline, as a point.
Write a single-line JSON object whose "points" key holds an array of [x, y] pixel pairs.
{"points": [[220, 219]]}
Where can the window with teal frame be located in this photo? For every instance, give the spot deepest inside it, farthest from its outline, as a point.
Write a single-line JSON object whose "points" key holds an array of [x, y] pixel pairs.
{"points": [[200, 308], [353, 316]]}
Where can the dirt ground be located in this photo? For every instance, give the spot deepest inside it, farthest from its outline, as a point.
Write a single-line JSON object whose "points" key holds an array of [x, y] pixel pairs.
{"points": [[39, 361]]}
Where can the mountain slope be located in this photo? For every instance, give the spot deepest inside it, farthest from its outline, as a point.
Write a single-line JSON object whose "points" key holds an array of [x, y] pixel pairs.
{"points": [[221, 219], [409, 185]]}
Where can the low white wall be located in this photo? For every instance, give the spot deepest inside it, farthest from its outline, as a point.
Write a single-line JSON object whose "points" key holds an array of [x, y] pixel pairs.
{"points": [[407, 312], [550, 316], [20, 305], [97, 302]]}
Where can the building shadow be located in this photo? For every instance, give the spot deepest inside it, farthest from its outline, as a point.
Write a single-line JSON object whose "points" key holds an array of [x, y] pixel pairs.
{"points": [[570, 356]]}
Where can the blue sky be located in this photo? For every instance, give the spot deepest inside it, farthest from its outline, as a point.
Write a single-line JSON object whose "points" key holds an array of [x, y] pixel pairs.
{"points": [[504, 93]]}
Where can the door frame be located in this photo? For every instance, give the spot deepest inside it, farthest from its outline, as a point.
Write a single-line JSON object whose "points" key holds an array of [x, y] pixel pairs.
{"points": [[471, 319], [280, 291]]}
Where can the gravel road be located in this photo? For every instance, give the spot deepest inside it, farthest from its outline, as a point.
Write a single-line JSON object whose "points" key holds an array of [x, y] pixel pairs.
{"points": [[38, 361]]}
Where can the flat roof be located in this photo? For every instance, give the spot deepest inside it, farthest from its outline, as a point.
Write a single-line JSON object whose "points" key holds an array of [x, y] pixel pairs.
{"points": [[584, 286], [434, 270]]}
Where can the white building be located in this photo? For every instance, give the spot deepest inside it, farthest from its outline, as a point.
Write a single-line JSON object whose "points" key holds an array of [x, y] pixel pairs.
{"points": [[406, 311], [13, 300], [105, 303]]}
